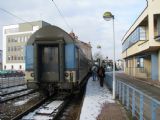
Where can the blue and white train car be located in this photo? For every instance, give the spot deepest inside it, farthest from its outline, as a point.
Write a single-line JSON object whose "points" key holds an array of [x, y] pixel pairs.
{"points": [[56, 60]]}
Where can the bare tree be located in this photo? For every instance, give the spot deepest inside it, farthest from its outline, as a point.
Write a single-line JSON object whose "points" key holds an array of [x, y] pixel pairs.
{"points": [[98, 55]]}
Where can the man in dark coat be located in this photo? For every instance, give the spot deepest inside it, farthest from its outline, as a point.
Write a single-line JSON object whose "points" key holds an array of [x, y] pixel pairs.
{"points": [[101, 74]]}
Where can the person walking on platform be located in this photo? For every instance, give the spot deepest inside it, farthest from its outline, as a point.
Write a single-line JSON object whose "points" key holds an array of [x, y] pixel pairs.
{"points": [[94, 73], [101, 74]]}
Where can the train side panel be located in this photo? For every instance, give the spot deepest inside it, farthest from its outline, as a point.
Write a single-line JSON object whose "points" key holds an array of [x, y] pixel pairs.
{"points": [[29, 63], [70, 63]]}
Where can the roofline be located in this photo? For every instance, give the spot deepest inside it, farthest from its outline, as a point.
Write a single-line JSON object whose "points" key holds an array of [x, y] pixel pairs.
{"points": [[29, 22], [134, 22]]}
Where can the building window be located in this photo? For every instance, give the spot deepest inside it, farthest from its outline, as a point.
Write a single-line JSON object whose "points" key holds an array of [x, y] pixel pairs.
{"points": [[20, 67], [15, 57], [21, 57], [138, 34], [35, 28], [9, 40], [127, 63], [15, 48], [21, 48], [140, 62], [11, 30], [5, 67], [12, 67], [9, 49], [9, 58]]}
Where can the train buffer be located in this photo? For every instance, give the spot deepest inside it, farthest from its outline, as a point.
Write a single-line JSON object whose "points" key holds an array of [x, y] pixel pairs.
{"points": [[99, 105], [140, 97]]}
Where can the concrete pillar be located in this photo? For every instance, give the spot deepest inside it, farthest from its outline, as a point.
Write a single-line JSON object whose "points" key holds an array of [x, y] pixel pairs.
{"points": [[151, 27], [154, 66], [134, 66], [124, 65]]}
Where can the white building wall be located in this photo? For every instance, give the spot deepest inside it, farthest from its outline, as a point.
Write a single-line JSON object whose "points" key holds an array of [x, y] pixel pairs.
{"points": [[16, 66]]}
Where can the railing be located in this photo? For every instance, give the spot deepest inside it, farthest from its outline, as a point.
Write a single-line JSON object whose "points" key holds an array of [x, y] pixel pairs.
{"points": [[6, 82], [142, 106]]}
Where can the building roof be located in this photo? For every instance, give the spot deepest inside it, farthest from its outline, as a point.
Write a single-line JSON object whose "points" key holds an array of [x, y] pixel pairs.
{"points": [[136, 23], [50, 32]]}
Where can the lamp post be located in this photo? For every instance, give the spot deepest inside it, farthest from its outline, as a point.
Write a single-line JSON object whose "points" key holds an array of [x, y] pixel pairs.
{"points": [[108, 16]]}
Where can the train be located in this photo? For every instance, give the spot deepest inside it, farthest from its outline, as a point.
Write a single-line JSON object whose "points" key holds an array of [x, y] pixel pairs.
{"points": [[56, 60]]}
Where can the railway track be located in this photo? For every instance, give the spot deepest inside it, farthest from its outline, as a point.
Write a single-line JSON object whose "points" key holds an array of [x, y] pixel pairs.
{"points": [[46, 109], [14, 92], [60, 107]]}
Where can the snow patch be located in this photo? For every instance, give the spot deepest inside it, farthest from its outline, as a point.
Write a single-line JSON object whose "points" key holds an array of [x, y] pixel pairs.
{"points": [[21, 102], [95, 97]]}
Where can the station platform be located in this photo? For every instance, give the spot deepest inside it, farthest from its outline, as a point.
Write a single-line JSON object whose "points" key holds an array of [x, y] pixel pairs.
{"points": [[99, 105], [151, 88]]}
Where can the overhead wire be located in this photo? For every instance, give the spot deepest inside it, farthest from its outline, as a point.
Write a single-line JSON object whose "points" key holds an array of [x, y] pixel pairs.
{"points": [[61, 15], [2, 9]]}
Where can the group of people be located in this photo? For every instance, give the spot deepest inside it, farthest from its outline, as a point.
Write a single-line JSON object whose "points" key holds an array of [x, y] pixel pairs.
{"points": [[98, 73]]}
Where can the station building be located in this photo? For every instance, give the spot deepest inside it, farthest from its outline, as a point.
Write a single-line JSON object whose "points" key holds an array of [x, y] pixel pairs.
{"points": [[14, 40], [141, 44]]}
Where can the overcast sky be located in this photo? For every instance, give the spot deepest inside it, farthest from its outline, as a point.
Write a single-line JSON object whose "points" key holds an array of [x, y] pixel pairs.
{"points": [[83, 16]]}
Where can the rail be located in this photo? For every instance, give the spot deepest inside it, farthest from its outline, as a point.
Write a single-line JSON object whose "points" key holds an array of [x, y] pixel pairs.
{"points": [[141, 105], [6, 82]]}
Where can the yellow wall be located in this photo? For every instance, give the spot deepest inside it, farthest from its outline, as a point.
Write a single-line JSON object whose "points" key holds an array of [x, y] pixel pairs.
{"points": [[149, 13], [133, 70]]}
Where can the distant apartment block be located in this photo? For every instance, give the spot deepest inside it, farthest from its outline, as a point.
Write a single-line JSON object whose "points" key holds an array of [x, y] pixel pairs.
{"points": [[141, 44], [14, 40], [0, 59], [120, 64]]}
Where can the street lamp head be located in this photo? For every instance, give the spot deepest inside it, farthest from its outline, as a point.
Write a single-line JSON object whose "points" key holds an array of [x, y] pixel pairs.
{"points": [[98, 47], [108, 16]]}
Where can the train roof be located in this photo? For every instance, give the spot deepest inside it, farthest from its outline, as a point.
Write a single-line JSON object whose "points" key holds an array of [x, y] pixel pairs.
{"points": [[50, 32]]}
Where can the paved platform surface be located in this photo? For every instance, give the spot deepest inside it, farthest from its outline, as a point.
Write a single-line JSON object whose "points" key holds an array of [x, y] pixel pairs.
{"points": [[113, 111], [99, 105], [148, 87]]}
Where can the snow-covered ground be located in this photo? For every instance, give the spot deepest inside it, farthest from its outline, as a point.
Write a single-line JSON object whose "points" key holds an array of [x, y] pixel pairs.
{"points": [[14, 95], [45, 112], [95, 97], [12, 89]]}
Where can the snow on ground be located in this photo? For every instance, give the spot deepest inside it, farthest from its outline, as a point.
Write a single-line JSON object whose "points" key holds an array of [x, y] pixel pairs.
{"points": [[10, 96], [95, 97], [21, 102], [25, 99], [12, 89]]}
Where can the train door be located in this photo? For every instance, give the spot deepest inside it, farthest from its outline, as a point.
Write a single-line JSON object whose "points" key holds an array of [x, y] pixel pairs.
{"points": [[50, 64], [49, 61]]}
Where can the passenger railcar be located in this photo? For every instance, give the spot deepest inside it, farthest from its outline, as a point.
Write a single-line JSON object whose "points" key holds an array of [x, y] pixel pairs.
{"points": [[56, 60]]}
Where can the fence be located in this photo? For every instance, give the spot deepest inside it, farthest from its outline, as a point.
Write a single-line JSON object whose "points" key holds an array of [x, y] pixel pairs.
{"points": [[142, 106], [11, 81]]}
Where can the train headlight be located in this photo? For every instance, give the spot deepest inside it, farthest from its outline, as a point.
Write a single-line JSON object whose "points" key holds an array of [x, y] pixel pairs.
{"points": [[32, 74], [66, 74]]}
